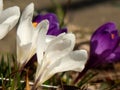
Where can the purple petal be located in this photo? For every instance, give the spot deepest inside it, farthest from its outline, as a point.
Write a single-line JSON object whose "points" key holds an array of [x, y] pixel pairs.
{"points": [[54, 28], [106, 37], [115, 55], [96, 60], [57, 31], [51, 17]]}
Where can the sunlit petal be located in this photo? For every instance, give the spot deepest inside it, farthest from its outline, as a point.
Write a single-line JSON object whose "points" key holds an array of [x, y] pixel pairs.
{"points": [[60, 46], [41, 44], [11, 21], [9, 12], [22, 53], [74, 61], [28, 12], [25, 31]]}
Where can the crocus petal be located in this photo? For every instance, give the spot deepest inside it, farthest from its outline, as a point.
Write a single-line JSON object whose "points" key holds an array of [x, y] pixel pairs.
{"points": [[105, 37], [60, 46], [114, 56], [56, 32], [74, 61], [8, 13], [25, 31], [4, 30], [28, 12], [11, 21], [41, 44], [49, 38], [9, 17], [1, 5], [22, 52]]}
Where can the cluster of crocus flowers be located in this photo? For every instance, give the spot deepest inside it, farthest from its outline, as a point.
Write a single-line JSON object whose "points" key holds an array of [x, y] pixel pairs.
{"points": [[8, 19], [104, 47], [28, 30], [53, 46], [27, 35]]}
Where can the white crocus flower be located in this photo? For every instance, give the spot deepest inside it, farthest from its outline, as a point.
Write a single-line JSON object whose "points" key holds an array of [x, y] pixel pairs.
{"points": [[57, 56], [8, 19], [27, 35]]}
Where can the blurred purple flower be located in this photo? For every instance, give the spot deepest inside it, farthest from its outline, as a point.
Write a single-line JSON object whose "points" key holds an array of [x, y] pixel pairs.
{"points": [[104, 47], [54, 28]]}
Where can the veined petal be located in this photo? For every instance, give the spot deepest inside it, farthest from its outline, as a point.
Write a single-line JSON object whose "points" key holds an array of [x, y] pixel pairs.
{"points": [[25, 31], [74, 61], [1, 6], [28, 12], [60, 46], [9, 12], [41, 44], [4, 30]]}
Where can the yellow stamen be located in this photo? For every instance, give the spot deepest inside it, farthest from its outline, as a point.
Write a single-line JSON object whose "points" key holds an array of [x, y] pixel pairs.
{"points": [[35, 24], [112, 36]]}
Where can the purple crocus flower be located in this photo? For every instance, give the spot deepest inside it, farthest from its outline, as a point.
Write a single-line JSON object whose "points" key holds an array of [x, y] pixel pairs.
{"points": [[104, 47], [54, 28]]}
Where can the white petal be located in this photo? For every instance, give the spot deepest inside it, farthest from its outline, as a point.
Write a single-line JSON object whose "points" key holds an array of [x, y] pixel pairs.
{"points": [[60, 46], [49, 38], [28, 12], [57, 48], [41, 44], [25, 31], [4, 30], [11, 21], [74, 61], [22, 53], [1, 5], [8, 13]]}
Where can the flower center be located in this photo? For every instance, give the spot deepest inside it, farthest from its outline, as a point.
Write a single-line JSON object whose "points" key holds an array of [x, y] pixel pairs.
{"points": [[112, 36], [35, 24]]}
